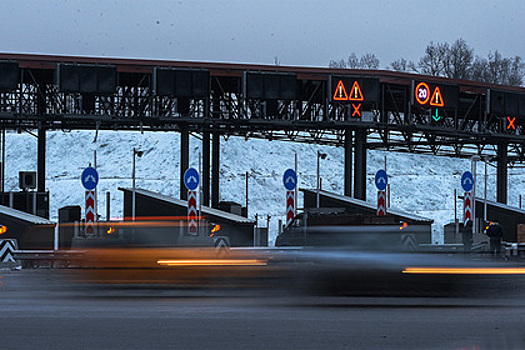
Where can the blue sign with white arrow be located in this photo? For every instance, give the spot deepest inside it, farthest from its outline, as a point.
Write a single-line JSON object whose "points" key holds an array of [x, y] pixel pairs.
{"points": [[290, 179], [381, 180], [89, 178], [191, 179], [467, 181]]}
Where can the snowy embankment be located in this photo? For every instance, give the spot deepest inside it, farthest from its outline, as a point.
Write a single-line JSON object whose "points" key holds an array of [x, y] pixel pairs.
{"points": [[422, 185]]}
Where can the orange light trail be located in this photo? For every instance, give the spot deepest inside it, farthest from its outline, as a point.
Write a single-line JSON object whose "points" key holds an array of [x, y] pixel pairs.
{"points": [[466, 270], [213, 262]]}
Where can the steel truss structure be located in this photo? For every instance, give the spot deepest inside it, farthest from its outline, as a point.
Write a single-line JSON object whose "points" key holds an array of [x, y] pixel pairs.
{"points": [[393, 123]]}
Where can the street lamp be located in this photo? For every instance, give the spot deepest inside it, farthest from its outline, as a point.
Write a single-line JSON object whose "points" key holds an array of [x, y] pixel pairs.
{"points": [[319, 156], [475, 158], [138, 154]]}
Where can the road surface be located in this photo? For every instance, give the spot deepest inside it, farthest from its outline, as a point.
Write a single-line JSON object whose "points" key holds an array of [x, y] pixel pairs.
{"points": [[41, 310]]}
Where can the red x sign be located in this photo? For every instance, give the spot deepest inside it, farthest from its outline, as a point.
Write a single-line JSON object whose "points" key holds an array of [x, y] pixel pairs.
{"points": [[356, 110], [511, 123]]}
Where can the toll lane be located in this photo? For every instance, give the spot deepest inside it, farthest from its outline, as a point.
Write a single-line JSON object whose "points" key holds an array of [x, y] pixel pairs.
{"points": [[40, 312]]}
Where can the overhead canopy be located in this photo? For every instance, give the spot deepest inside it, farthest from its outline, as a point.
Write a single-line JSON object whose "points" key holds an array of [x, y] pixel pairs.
{"points": [[328, 199]]}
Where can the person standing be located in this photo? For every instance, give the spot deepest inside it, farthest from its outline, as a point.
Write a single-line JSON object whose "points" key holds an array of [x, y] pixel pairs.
{"points": [[495, 232], [466, 233]]}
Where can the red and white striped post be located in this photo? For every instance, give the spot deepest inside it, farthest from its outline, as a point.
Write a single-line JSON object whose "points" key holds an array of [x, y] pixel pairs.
{"points": [[192, 213], [467, 206], [90, 213], [381, 203], [290, 206]]}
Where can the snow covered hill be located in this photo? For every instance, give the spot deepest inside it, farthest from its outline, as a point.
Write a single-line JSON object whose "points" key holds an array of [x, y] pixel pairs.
{"points": [[422, 185]]}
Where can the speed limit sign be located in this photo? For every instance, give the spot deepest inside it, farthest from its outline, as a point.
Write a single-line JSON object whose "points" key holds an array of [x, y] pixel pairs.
{"points": [[422, 92]]}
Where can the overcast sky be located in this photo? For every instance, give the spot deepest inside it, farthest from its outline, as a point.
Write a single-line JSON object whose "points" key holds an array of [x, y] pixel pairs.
{"points": [[308, 33]]}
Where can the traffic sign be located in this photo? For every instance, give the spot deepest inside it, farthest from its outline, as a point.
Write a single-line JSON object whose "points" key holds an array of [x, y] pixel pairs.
{"points": [[422, 93], [351, 89], [436, 116], [355, 93], [191, 179], [437, 98], [89, 178], [290, 179], [356, 110], [467, 181], [340, 92], [381, 180]]}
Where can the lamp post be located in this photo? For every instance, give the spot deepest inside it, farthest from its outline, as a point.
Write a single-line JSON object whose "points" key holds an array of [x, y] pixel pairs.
{"points": [[474, 159], [319, 156], [138, 154]]}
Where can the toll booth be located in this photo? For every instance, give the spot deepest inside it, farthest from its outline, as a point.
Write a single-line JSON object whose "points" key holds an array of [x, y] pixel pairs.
{"points": [[31, 231], [32, 202], [508, 216], [67, 217], [355, 206], [239, 229]]}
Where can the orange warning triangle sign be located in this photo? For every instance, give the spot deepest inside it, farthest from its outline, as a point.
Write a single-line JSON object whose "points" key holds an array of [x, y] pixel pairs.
{"points": [[340, 92], [355, 93], [437, 98]]}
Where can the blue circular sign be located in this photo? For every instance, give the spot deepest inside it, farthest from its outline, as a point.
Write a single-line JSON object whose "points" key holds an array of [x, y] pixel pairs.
{"points": [[89, 178], [467, 181], [290, 179], [191, 179], [381, 180]]}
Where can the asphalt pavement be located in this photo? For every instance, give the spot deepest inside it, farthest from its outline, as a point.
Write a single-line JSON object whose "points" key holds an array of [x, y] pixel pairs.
{"points": [[44, 310]]}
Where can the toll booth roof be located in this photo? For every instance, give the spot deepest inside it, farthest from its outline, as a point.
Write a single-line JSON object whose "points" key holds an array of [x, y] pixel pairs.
{"points": [[348, 202], [206, 211], [21, 215], [514, 210]]}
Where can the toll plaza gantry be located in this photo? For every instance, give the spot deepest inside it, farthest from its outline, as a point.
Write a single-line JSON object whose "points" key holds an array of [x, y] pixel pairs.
{"points": [[355, 109]]}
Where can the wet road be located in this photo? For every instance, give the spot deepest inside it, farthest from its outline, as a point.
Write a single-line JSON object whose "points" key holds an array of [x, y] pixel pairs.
{"points": [[42, 310]]}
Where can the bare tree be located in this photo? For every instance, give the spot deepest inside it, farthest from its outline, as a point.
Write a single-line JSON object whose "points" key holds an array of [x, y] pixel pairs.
{"points": [[433, 62], [369, 61], [400, 65], [479, 70], [353, 62], [455, 61], [458, 60], [337, 64], [496, 68], [516, 71]]}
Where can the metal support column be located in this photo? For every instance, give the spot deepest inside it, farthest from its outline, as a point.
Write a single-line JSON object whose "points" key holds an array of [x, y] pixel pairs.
{"points": [[502, 173], [205, 168], [348, 163], [360, 165], [2, 188], [216, 152], [184, 160], [41, 161]]}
